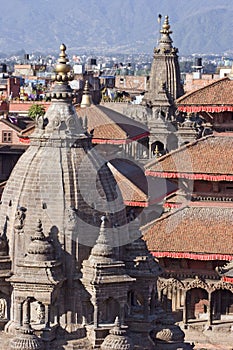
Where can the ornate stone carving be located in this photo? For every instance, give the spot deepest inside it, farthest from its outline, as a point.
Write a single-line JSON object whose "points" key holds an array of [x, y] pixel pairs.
{"points": [[41, 121], [117, 339], [19, 219], [197, 283], [4, 247], [169, 334], [40, 248], [221, 285], [3, 308], [27, 340]]}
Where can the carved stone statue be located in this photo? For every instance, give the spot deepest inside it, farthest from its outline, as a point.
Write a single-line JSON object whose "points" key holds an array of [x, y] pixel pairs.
{"points": [[2, 308], [19, 219]]}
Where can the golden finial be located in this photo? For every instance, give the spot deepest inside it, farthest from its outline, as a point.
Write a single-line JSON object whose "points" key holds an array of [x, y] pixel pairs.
{"points": [[166, 26], [62, 69], [156, 151], [86, 98]]}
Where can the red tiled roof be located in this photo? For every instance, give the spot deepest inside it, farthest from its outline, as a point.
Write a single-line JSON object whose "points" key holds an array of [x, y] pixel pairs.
{"points": [[216, 94], [209, 158], [132, 195], [136, 188], [23, 107], [192, 230], [109, 126]]}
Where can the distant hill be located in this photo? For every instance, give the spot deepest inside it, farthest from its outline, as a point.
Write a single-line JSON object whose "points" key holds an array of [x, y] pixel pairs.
{"points": [[199, 26]]}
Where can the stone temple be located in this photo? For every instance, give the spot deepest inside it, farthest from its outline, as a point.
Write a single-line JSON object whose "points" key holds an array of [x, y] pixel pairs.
{"points": [[74, 270]]}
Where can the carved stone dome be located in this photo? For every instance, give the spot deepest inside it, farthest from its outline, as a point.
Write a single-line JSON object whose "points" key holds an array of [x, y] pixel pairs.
{"points": [[60, 178], [117, 339], [171, 333], [27, 340]]}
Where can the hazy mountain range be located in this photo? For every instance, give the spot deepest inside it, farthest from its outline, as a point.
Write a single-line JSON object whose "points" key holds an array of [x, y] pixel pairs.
{"points": [[122, 26]]}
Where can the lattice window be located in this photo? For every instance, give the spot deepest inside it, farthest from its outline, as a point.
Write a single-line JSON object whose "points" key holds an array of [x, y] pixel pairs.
{"points": [[7, 136]]}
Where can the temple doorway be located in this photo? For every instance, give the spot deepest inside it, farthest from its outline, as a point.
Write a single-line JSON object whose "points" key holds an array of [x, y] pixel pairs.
{"points": [[222, 304], [197, 304]]}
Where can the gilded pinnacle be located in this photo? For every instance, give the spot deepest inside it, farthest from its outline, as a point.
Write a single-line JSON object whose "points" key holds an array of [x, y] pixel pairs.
{"points": [[62, 69], [86, 98], [166, 26]]}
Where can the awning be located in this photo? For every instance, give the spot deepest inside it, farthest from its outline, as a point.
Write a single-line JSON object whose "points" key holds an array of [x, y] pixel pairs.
{"points": [[207, 108], [206, 177], [193, 256]]}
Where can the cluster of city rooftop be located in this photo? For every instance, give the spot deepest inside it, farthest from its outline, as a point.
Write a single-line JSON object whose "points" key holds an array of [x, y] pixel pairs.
{"points": [[116, 205]]}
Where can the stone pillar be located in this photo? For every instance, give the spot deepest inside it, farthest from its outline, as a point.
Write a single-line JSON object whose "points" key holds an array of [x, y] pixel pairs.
{"points": [[219, 303], [27, 312], [146, 307], [19, 314], [174, 298], [57, 316], [160, 294], [122, 313], [47, 315], [69, 317], [178, 298], [185, 311], [210, 310], [96, 315]]}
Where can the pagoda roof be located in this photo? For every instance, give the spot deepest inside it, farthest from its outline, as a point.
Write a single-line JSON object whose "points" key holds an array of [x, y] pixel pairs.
{"points": [[196, 231], [214, 97], [137, 189], [204, 159], [110, 127]]}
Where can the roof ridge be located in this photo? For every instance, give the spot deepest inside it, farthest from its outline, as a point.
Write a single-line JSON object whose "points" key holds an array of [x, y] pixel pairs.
{"points": [[107, 119], [131, 184], [134, 122], [164, 216], [13, 126]]}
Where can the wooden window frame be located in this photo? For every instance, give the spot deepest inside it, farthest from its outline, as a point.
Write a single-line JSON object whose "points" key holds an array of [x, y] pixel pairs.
{"points": [[6, 136]]}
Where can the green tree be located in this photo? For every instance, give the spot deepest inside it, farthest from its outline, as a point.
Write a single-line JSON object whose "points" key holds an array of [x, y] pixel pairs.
{"points": [[36, 110]]}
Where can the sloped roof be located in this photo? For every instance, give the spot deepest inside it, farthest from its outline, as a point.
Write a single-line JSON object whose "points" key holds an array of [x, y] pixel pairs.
{"points": [[136, 188], [13, 126], [208, 158], [216, 94], [109, 126], [24, 106], [201, 230]]}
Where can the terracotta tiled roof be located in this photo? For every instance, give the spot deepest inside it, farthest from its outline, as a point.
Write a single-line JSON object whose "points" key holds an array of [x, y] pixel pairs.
{"points": [[210, 155], [194, 229], [131, 193], [109, 126], [216, 93], [23, 107], [136, 188]]}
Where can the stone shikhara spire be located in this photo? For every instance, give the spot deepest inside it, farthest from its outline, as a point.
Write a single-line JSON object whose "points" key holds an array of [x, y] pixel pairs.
{"points": [[164, 83]]}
